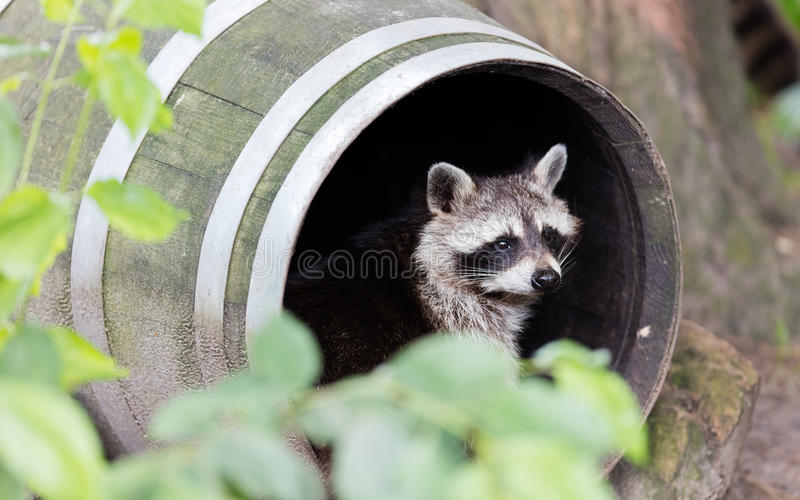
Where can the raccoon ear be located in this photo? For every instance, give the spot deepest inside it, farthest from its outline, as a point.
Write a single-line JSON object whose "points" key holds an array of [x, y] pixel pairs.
{"points": [[448, 186], [549, 169]]}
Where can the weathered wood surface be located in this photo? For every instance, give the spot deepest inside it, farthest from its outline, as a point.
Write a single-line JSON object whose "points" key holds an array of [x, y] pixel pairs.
{"points": [[698, 425]]}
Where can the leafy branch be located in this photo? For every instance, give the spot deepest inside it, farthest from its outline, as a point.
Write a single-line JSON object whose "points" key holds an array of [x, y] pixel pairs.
{"points": [[36, 222], [49, 445], [54, 10]]}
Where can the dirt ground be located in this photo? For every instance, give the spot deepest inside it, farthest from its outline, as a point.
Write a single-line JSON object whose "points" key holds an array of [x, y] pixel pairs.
{"points": [[769, 467]]}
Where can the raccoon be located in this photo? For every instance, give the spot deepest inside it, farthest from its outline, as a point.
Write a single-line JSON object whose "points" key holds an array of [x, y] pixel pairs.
{"points": [[469, 254]]}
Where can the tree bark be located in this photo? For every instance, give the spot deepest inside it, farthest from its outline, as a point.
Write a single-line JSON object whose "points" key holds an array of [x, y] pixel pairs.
{"points": [[675, 63]]}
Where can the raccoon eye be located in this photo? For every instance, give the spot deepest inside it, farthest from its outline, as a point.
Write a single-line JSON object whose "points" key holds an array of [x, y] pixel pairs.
{"points": [[502, 245], [552, 238]]}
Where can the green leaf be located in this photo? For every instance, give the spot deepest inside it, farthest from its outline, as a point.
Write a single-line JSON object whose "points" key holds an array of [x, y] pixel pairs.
{"points": [[786, 112], [117, 76], [10, 487], [33, 231], [379, 458], [251, 401], [260, 466], [12, 293], [5, 333], [127, 41], [10, 48], [791, 11], [537, 408], [188, 415], [568, 350], [325, 414], [171, 473], [243, 399], [782, 339], [56, 10], [188, 485], [55, 356], [82, 78], [538, 467], [10, 145], [473, 481], [454, 369], [286, 353], [163, 120], [81, 362], [137, 211], [185, 15], [611, 400], [10, 84], [137, 477], [48, 442], [30, 355]]}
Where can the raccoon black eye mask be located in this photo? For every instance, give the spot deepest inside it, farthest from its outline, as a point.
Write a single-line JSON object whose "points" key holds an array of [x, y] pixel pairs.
{"points": [[480, 250], [490, 259]]}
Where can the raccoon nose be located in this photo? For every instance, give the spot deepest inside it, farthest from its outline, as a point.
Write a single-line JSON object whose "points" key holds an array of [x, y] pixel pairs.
{"points": [[545, 280]]}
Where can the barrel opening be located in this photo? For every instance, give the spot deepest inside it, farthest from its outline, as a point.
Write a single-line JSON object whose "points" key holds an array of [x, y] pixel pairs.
{"points": [[487, 120]]}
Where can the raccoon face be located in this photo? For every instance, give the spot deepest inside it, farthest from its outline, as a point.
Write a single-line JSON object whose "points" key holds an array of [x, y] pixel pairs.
{"points": [[506, 237]]}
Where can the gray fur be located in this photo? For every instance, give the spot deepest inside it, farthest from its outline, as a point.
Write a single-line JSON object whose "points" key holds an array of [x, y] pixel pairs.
{"points": [[448, 186], [550, 168], [493, 303]]}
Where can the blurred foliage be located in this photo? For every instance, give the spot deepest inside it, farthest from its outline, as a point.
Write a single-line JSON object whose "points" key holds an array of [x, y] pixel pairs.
{"points": [[136, 211], [785, 109], [786, 114], [34, 222], [48, 444], [790, 9], [113, 71], [782, 341], [445, 419]]}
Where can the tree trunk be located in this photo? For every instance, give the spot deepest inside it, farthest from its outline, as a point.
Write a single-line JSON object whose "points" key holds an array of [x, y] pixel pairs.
{"points": [[676, 65]]}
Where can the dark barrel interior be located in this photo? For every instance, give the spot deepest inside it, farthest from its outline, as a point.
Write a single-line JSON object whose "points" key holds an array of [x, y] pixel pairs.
{"points": [[486, 121]]}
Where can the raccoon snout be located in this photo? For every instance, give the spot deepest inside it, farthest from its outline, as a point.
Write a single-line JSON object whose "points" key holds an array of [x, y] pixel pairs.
{"points": [[545, 280]]}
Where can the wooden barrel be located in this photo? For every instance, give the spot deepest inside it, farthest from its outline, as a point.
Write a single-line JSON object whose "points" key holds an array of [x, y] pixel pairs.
{"points": [[297, 121]]}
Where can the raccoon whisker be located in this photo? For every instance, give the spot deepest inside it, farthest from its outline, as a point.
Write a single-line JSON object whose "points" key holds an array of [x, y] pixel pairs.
{"points": [[504, 295], [476, 276], [569, 248], [567, 264], [474, 268], [565, 271], [566, 259], [477, 270]]}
